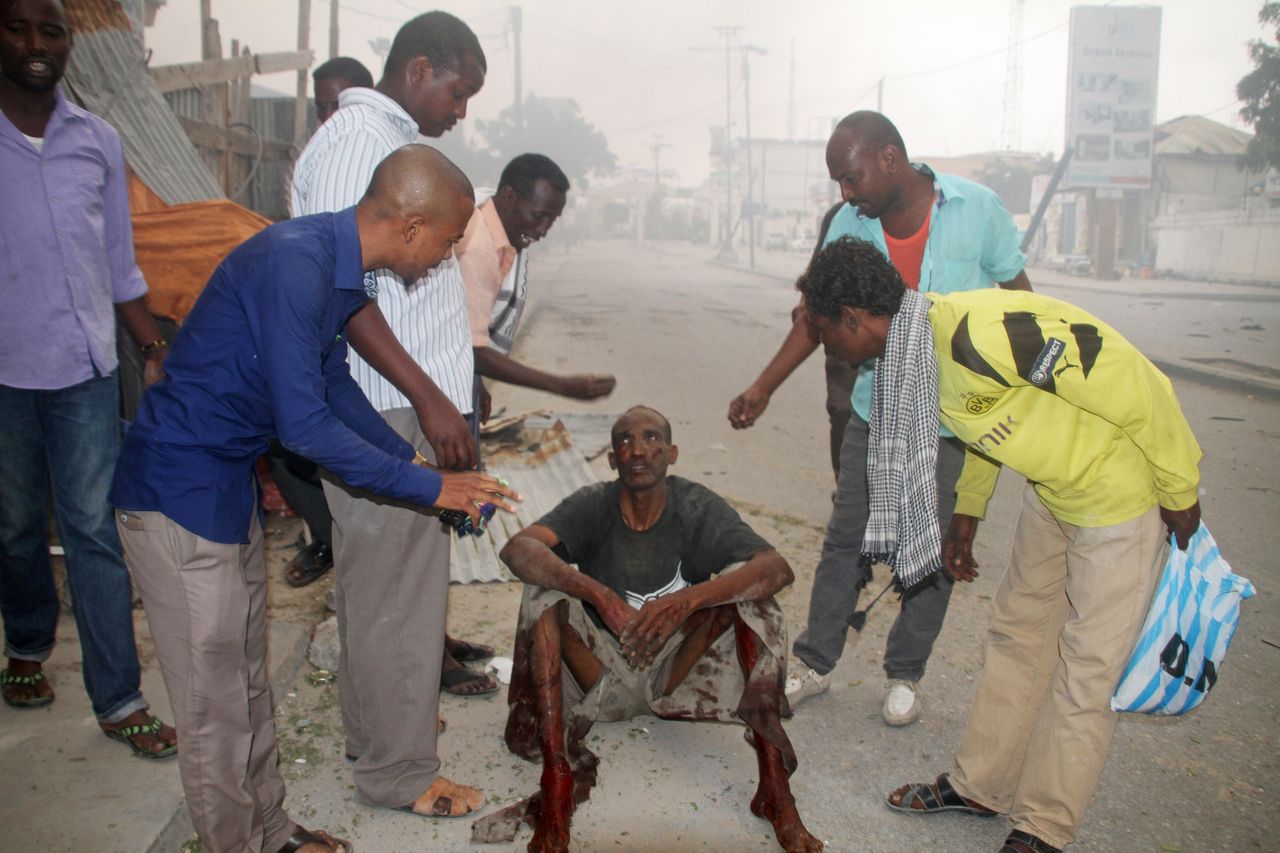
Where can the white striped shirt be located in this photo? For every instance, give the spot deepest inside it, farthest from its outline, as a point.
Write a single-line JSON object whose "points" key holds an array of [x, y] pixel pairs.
{"points": [[429, 316]]}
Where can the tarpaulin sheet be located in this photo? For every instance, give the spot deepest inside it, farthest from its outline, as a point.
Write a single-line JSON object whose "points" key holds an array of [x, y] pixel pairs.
{"points": [[179, 247]]}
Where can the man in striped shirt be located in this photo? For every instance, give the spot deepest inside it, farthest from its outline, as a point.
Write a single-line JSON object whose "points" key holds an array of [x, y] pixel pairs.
{"points": [[415, 365]]}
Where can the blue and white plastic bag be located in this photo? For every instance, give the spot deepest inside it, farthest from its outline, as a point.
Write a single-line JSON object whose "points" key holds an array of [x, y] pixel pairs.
{"points": [[1193, 616]]}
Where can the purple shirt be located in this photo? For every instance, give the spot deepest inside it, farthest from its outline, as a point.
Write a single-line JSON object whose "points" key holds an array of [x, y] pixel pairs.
{"points": [[66, 250]]}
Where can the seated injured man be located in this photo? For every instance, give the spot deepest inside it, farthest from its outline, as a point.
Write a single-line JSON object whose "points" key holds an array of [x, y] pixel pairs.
{"points": [[647, 595]]}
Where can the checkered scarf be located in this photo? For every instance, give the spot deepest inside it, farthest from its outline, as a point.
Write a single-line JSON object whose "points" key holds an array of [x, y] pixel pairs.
{"points": [[902, 459]]}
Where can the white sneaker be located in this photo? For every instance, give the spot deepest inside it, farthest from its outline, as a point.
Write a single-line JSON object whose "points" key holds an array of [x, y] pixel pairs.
{"points": [[902, 702], [803, 682]]}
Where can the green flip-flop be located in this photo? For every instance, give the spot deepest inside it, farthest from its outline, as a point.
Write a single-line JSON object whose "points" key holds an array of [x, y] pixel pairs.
{"points": [[127, 734], [7, 678]]}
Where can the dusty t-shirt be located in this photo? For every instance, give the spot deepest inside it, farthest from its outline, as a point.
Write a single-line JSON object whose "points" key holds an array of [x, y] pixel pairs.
{"points": [[698, 535]]}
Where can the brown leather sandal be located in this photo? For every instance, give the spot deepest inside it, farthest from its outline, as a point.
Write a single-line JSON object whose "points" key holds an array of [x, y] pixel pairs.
{"points": [[302, 837], [926, 798]]}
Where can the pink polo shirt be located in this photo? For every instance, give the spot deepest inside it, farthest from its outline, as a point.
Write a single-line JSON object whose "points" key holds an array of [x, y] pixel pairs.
{"points": [[485, 256]]}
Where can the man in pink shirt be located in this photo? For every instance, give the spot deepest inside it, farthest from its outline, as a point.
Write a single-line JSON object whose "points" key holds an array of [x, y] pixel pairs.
{"points": [[530, 197]]}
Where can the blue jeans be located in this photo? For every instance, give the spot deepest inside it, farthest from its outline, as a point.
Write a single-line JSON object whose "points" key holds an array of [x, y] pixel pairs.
{"points": [[70, 437]]}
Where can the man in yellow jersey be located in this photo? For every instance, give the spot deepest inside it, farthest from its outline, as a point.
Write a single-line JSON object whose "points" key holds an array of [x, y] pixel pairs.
{"points": [[1049, 390]]}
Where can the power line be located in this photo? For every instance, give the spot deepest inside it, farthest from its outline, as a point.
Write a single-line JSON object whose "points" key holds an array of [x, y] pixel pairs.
{"points": [[647, 125], [606, 56]]}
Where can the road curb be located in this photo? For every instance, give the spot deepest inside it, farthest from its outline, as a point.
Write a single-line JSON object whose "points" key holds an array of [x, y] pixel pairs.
{"points": [[1256, 386]]}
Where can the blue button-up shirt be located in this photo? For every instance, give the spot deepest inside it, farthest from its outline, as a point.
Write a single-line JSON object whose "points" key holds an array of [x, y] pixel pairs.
{"points": [[262, 355], [66, 250], [972, 243]]}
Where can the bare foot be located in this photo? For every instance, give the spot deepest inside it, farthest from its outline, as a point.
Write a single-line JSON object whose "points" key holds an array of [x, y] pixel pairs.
{"points": [[779, 808], [448, 799], [555, 809]]}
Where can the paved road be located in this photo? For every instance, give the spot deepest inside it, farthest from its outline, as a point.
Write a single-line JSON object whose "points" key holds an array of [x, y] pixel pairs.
{"points": [[685, 335]]}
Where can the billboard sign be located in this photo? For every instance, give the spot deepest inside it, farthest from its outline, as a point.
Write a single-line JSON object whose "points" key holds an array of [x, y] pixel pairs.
{"points": [[1112, 69]]}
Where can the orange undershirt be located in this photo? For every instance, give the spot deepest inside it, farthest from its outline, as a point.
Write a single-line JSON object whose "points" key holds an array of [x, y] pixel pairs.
{"points": [[908, 253]]}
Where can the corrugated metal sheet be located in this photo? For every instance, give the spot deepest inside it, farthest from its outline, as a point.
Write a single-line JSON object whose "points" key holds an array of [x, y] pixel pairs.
{"points": [[545, 467], [1199, 135], [592, 431], [107, 75]]}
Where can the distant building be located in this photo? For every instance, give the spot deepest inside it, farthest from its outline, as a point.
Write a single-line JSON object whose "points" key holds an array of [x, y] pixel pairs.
{"points": [[1202, 217]]}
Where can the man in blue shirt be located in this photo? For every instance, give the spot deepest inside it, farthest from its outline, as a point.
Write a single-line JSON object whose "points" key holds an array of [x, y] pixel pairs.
{"points": [[943, 234], [263, 355]]}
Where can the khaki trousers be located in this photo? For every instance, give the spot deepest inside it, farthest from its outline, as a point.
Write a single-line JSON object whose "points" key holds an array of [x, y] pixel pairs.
{"points": [[1064, 620], [391, 568], [206, 603]]}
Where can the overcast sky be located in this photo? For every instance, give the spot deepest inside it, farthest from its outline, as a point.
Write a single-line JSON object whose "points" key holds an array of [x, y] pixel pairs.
{"points": [[638, 70]]}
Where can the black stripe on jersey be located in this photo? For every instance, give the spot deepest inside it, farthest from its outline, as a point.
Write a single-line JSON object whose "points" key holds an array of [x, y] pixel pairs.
{"points": [[1090, 344], [1026, 342], [965, 354]]}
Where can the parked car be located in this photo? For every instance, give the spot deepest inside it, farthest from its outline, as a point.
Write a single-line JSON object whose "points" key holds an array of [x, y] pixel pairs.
{"points": [[775, 242]]}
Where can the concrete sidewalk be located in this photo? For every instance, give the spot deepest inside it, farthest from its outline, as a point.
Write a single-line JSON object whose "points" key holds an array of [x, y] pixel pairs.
{"points": [[67, 787]]}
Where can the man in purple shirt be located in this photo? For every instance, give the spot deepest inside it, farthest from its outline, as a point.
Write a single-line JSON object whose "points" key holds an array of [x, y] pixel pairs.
{"points": [[66, 270]]}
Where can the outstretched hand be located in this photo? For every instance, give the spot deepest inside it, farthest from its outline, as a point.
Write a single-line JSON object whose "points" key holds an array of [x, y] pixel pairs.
{"points": [[747, 407], [957, 548], [1182, 523], [658, 619], [467, 491], [588, 386]]}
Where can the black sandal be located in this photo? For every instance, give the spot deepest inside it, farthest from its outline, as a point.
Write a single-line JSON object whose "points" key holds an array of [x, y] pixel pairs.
{"points": [[947, 799], [1024, 842], [464, 652], [302, 837], [451, 681]]}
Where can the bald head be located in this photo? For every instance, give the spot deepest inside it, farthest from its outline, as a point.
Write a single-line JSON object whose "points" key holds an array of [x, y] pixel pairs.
{"points": [[649, 413], [872, 130], [415, 210], [416, 179]]}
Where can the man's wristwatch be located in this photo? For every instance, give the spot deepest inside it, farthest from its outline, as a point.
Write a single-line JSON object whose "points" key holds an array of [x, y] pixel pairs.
{"points": [[154, 346]]}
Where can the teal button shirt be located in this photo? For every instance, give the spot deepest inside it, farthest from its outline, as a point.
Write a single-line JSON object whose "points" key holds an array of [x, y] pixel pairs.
{"points": [[972, 244]]}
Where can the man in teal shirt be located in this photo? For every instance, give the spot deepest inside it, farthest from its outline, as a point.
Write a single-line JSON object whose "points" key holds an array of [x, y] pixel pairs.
{"points": [[943, 234]]}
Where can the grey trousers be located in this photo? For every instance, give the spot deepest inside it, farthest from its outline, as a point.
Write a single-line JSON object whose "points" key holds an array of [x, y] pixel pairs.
{"points": [[838, 580], [391, 566], [206, 603]]}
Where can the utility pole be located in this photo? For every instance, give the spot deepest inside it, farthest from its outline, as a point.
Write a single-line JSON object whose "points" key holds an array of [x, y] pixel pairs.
{"points": [[880, 96], [656, 148], [791, 96], [333, 28], [653, 226], [300, 106], [726, 246], [1011, 126], [747, 50], [519, 100]]}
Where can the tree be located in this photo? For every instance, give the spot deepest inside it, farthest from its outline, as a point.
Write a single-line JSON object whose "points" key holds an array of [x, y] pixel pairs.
{"points": [[1260, 92], [554, 127]]}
